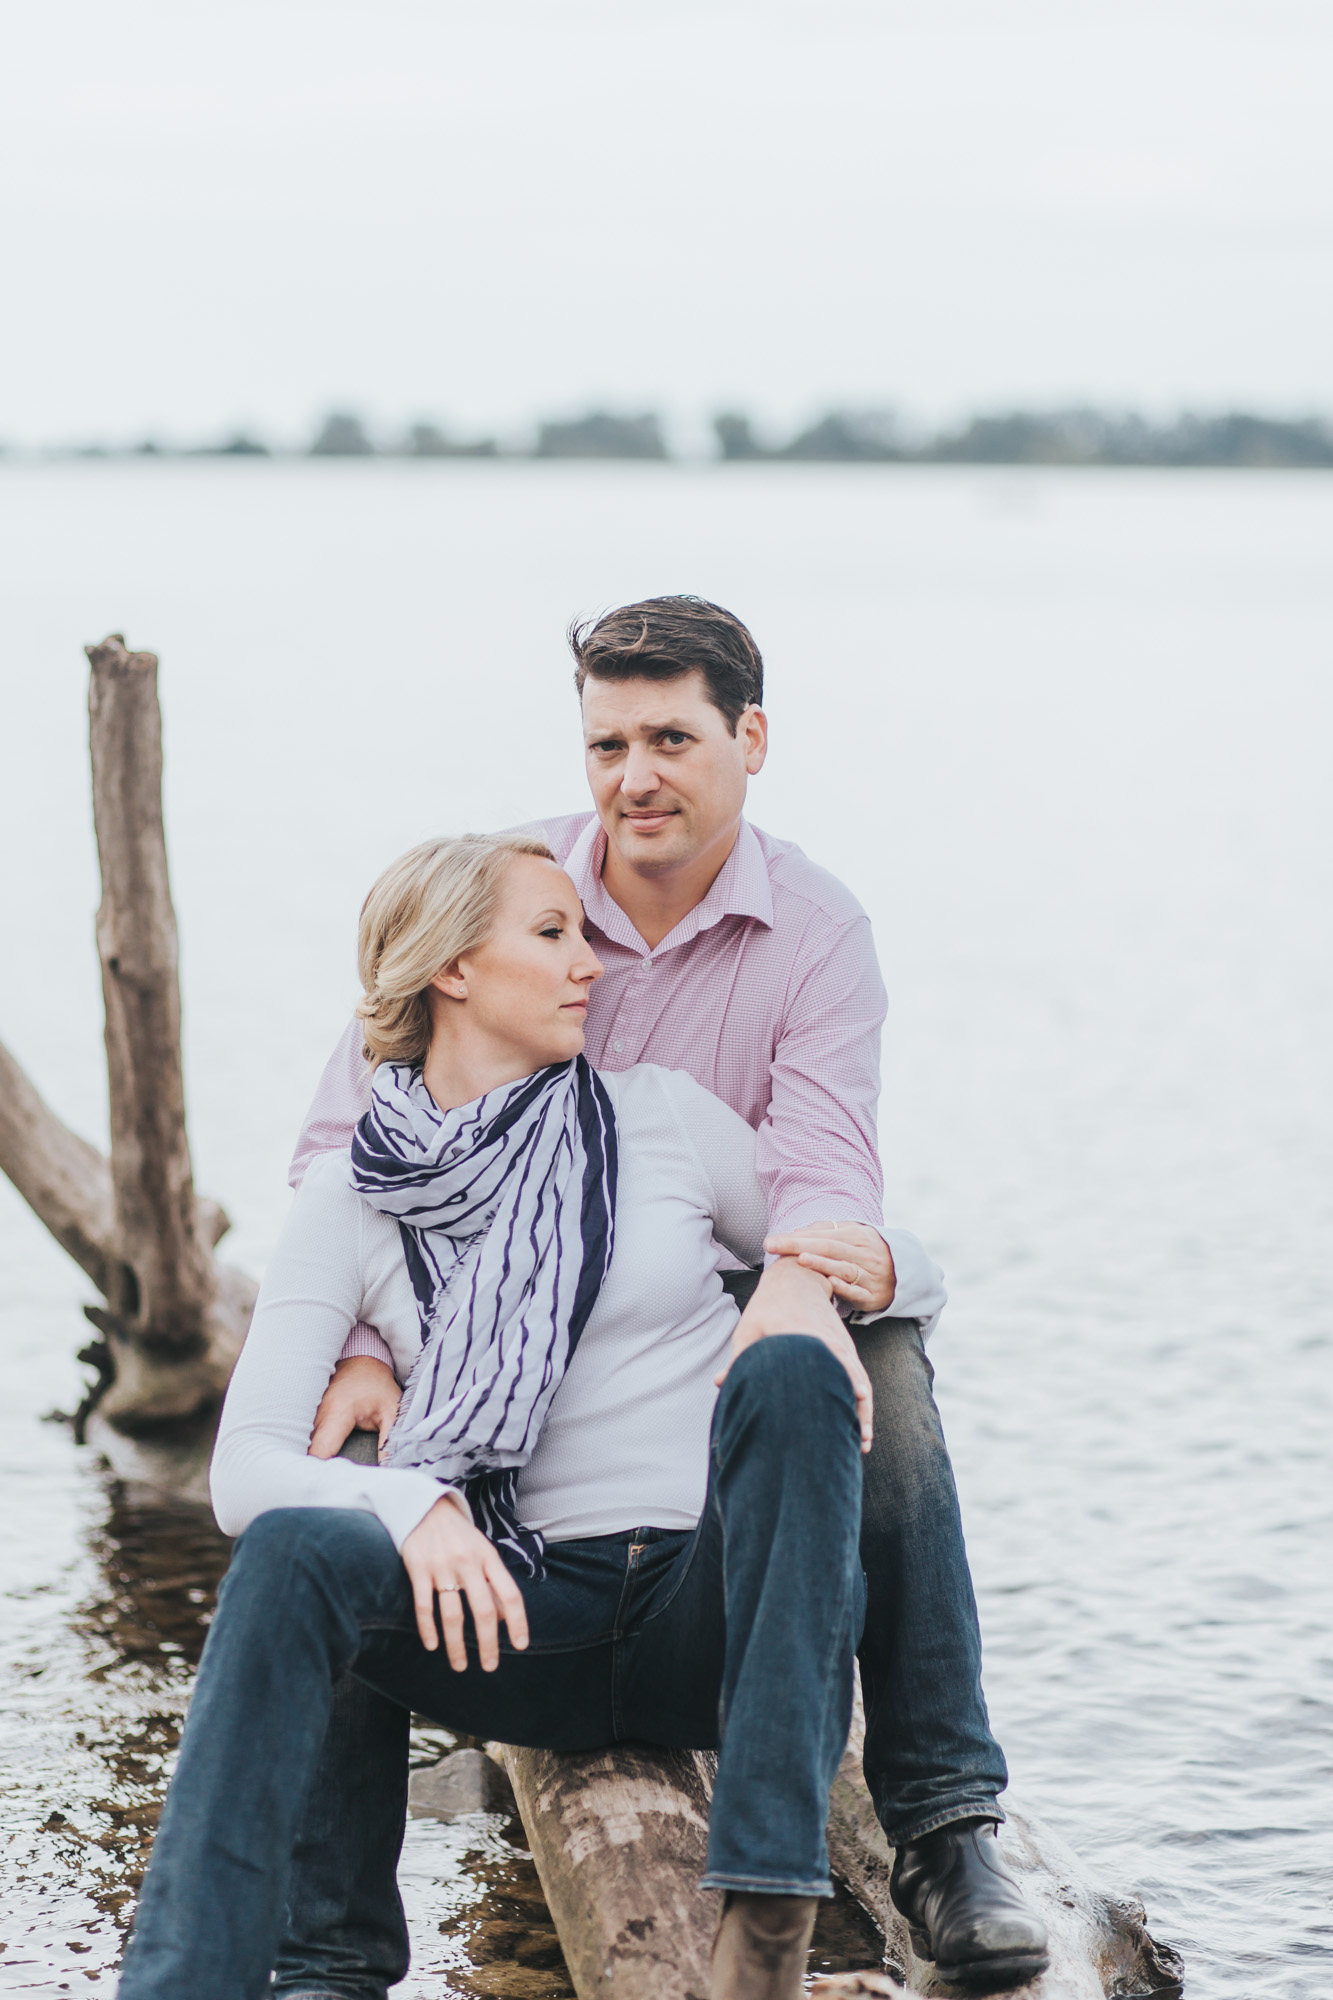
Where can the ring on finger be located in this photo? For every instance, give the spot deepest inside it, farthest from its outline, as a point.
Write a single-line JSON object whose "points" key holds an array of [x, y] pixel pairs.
{"points": [[451, 1590]]}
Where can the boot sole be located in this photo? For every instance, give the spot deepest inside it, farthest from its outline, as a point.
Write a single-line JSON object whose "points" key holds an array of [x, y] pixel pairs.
{"points": [[995, 1973], [1000, 1970]]}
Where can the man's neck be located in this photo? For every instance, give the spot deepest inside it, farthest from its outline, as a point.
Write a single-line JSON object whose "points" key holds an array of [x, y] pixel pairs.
{"points": [[655, 904]]}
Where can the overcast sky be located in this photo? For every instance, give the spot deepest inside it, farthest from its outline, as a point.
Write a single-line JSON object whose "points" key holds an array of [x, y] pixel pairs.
{"points": [[238, 213]]}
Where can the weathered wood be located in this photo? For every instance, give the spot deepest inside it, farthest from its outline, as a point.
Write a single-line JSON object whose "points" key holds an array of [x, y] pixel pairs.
{"points": [[163, 1283], [67, 1182], [619, 1838], [174, 1319], [62, 1178]]}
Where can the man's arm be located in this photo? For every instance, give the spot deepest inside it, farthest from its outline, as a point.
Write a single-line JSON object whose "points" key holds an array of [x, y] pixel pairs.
{"points": [[817, 1148], [342, 1096], [816, 1153]]}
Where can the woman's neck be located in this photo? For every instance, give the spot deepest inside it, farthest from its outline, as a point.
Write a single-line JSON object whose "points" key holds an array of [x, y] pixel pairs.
{"points": [[456, 1071]]}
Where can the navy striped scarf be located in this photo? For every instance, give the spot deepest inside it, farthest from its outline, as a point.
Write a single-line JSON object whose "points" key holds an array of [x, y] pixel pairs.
{"points": [[506, 1208]]}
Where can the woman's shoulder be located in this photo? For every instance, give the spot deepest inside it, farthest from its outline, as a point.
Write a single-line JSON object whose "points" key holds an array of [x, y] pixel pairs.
{"points": [[326, 1192], [647, 1093], [327, 1180]]}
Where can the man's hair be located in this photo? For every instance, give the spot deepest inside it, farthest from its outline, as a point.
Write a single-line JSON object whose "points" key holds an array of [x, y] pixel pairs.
{"points": [[664, 638]]}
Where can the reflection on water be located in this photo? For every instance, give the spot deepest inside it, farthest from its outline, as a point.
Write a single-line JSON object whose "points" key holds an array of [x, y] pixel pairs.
{"points": [[114, 1665]]}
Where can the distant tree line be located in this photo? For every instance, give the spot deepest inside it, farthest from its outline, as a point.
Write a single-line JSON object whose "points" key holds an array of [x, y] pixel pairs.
{"points": [[869, 437], [1060, 437]]}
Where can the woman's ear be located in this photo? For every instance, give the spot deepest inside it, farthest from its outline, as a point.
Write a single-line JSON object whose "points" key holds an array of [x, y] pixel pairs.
{"points": [[449, 980]]}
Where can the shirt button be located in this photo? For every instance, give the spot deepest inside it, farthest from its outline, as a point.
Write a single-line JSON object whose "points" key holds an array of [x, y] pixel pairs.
{"points": [[619, 1047]]}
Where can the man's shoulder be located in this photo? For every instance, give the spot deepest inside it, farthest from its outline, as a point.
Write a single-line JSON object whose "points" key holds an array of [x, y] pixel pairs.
{"points": [[795, 876], [561, 835]]}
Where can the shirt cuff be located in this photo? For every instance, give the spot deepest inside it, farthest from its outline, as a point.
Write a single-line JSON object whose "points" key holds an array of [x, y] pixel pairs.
{"points": [[918, 1291], [402, 1498], [365, 1339]]}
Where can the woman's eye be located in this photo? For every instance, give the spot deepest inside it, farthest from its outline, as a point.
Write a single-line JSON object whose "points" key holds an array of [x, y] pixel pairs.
{"points": [[553, 930]]}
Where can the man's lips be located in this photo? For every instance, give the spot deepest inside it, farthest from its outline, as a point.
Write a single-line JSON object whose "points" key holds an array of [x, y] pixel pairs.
{"points": [[645, 822]]}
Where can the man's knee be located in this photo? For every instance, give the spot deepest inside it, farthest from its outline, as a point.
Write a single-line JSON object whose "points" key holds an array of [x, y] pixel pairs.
{"points": [[908, 1474], [907, 1421]]}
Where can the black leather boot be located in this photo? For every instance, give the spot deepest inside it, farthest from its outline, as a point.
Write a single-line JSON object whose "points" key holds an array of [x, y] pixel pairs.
{"points": [[965, 1911]]}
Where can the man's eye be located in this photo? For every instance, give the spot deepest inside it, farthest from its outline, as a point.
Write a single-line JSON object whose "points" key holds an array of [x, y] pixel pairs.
{"points": [[675, 737], [607, 747]]}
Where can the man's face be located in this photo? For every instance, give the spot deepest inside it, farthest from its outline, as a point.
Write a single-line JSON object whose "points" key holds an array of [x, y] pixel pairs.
{"points": [[667, 775]]}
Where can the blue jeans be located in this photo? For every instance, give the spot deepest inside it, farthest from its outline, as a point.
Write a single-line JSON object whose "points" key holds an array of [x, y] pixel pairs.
{"points": [[742, 1632], [930, 1757]]}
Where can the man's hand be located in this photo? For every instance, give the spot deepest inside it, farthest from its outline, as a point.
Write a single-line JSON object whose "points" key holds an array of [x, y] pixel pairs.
{"points": [[851, 1255], [791, 1298], [362, 1396], [446, 1557]]}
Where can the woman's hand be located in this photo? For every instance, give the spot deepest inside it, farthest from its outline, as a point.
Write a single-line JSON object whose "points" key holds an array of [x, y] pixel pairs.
{"points": [[792, 1298], [362, 1396], [446, 1557], [851, 1255]]}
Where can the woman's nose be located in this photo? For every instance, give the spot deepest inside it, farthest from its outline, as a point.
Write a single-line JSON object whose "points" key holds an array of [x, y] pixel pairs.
{"points": [[589, 967]]}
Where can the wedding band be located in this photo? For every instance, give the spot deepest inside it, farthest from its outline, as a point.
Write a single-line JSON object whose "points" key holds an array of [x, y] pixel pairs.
{"points": [[857, 1279], [451, 1590]]}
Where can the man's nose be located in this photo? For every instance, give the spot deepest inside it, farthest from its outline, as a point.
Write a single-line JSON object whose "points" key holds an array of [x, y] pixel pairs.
{"points": [[640, 772]]}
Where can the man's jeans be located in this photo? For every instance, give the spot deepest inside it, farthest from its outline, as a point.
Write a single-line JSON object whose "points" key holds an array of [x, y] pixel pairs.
{"points": [[929, 1756], [744, 1629]]}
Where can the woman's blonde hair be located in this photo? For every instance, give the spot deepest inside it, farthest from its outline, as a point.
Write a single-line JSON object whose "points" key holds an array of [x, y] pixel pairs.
{"points": [[427, 908]]}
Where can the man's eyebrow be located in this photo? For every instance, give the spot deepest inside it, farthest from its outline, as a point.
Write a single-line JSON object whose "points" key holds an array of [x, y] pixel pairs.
{"points": [[644, 729]]}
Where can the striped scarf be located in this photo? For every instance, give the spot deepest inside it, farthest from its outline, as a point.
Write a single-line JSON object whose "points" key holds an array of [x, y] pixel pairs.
{"points": [[506, 1209]]}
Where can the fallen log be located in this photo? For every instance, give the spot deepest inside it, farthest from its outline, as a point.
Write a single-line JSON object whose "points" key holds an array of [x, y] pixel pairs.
{"points": [[619, 1838]]}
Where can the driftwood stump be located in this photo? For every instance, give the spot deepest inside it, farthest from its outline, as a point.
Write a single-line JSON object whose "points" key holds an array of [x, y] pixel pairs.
{"points": [[174, 1318]]}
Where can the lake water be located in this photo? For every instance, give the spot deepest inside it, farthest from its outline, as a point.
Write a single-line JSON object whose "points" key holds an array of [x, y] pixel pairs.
{"points": [[1067, 736]]}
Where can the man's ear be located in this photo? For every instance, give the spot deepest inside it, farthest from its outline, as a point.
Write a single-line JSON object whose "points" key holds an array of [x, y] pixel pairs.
{"points": [[752, 729], [449, 980]]}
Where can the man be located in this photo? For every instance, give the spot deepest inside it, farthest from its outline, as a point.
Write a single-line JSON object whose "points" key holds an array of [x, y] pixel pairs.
{"points": [[729, 955]]}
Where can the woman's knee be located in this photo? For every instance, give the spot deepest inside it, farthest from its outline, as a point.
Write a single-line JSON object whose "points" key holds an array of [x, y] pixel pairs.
{"points": [[287, 1545], [788, 1379]]}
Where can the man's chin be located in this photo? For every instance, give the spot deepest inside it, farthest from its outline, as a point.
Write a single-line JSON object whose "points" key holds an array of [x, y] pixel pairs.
{"points": [[666, 846]]}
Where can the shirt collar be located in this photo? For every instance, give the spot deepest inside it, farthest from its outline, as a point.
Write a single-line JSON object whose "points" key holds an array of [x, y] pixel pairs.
{"points": [[742, 889]]}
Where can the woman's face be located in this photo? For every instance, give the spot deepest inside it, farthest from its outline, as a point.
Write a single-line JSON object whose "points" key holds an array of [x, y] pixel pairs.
{"points": [[525, 991]]}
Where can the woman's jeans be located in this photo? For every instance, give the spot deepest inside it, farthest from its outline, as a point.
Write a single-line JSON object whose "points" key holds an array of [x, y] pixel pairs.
{"points": [[930, 1757], [742, 1632]]}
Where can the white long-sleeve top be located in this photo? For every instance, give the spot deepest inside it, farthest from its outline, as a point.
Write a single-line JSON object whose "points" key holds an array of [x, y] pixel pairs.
{"points": [[625, 1443]]}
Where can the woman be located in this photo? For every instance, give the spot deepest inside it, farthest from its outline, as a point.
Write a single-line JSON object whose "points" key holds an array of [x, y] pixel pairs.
{"points": [[539, 1247]]}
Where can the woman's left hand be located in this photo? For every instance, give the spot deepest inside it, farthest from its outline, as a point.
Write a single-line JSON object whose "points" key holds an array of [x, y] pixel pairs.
{"points": [[851, 1255], [447, 1559]]}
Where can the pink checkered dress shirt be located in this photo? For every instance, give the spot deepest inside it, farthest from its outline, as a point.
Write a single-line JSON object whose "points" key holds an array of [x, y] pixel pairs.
{"points": [[768, 993]]}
